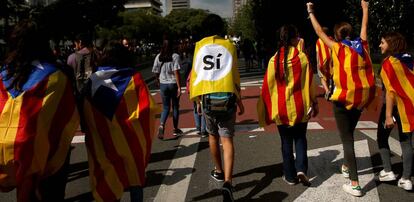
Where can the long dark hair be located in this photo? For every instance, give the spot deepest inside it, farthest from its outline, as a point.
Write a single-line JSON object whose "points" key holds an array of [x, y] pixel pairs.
{"points": [[166, 51], [342, 30], [287, 34], [116, 55], [396, 42], [26, 44]]}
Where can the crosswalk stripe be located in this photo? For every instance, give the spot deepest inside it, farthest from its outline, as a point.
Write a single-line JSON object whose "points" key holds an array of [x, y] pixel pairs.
{"points": [[394, 144], [183, 160], [366, 124], [324, 165]]}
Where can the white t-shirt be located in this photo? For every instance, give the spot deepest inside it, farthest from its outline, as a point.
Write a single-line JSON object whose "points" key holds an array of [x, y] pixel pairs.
{"points": [[166, 72]]}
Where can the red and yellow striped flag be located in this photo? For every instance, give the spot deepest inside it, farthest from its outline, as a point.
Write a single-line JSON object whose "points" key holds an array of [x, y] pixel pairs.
{"points": [[286, 100], [120, 116], [323, 59], [398, 78], [353, 76], [36, 126], [301, 45]]}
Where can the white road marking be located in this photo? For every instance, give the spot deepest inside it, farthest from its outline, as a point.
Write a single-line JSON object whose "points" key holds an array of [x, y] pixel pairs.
{"points": [[78, 139], [248, 127], [327, 181], [394, 144], [314, 126], [170, 191], [366, 124]]}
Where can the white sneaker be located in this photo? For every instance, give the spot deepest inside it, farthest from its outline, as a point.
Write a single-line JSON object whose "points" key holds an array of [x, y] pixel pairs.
{"points": [[405, 184], [345, 171], [353, 190], [386, 176]]}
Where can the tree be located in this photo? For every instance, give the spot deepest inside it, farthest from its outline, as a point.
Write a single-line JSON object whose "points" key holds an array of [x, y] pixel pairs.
{"points": [[11, 11], [186, 22], [244, 24]]}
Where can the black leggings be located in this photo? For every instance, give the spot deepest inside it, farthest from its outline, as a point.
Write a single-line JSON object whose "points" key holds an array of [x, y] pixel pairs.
{"points": [[346, 121], [405, 142]]}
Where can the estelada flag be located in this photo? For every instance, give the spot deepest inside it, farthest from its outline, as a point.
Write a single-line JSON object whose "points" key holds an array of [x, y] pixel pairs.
{"points": [[323, 59], [120, 118], [37, 124], [398, 76], [287, 93], [214, 67], [353, 75]]}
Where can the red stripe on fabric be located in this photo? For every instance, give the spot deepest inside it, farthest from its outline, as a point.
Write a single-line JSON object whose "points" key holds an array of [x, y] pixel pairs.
{"points": [[395, 83], [132, 137], [110, 151], [267, 100], [320, 55], [61, 118], [342, 75], [144, 111], [3, 96], [297, 86], [281, 90], [26, 133], [408, 74], [370, 77], [358, 89], [102, 187], [328, 59]]}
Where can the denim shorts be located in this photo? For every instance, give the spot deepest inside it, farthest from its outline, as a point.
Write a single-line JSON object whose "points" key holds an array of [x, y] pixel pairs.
{"points": [[222, 126]]}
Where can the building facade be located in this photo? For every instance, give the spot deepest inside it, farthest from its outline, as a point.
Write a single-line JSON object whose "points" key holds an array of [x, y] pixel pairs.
{"points": [[152, 5], [176, 4]]}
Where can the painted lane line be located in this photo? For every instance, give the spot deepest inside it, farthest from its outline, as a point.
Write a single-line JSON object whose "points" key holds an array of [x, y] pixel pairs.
{"points": [[248, 128], [174, 187], [314, 126], [394, 144], [327, 181], [366, 124], [78, 139]]}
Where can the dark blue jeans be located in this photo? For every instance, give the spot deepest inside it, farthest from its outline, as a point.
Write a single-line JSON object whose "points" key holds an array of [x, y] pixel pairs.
{"points": [[169, 97], [199, 120], [294, 135]]}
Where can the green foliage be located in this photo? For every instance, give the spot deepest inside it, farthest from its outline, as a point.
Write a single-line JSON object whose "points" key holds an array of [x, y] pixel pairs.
{"points": [[186, 22], [243, 25]]}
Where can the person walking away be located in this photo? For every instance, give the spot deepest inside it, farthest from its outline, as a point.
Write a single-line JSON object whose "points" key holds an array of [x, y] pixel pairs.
{"points": [[397, 75], [120, 119], [354, 82], [288, 99], [324, 64], [215, 85], [167, 73], [38, 117]]}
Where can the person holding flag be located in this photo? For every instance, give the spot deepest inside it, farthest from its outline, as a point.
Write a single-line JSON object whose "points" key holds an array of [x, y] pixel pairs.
{"points": [[354, 89], [215, 86], [324, 64], [397, 75], [38, 117], [120, 118], [288, 99]]}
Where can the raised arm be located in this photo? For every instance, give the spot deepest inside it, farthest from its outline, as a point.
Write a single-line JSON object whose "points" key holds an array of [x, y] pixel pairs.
{"points": [[317, 27], [364, 24]]}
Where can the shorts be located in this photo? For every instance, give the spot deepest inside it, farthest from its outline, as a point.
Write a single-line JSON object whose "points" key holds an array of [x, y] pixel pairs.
{"points": [[222, 126]]}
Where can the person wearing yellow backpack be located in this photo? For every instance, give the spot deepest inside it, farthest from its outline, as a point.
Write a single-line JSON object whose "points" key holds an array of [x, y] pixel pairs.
{"points": [[215, 86]]}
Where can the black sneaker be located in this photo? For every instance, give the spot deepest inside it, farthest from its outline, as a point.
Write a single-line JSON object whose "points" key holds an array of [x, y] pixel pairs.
{"points": [[227, 192], [217, 176], [161, 133], [204, 134], [177, 132]]}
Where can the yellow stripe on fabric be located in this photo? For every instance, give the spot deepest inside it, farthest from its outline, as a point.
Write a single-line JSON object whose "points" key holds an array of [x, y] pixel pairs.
{"points": [[9, 124], [67, 135], [92, 179], [110, 176], [364, 81], [273, 91], [306, 86], [403, 115], [55, 88], [349, 81], [336, 72], [290, 99]]}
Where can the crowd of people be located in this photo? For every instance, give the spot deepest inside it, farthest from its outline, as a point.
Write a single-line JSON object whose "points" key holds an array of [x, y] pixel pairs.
{"points": [[43, 100]]}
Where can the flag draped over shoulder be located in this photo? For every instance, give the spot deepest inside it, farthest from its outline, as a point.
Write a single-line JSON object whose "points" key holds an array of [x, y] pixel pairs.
{"points": [[37, 125], [286, 100], [323, 59], [301, 45], [120, 116], [399, 78], [353, 75], [214, 67]]}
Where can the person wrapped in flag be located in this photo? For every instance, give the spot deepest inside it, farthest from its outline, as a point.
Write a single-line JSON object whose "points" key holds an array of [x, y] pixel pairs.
{"points": [[324, 64], [288, 99], [354, 89], [120, 117], [38, 117], [397, 75]]}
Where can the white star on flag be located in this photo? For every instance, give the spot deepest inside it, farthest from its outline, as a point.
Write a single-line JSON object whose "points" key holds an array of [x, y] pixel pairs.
{"points": [[103, 78], [37, 64]]}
